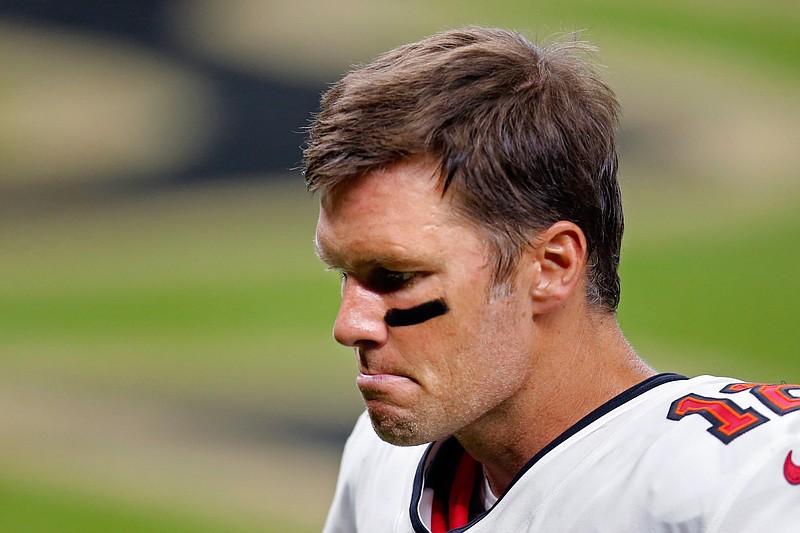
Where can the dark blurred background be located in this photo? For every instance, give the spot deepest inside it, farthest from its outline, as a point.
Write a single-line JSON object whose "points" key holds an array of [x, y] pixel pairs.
{"points": [[221, 120], [166, 361]]}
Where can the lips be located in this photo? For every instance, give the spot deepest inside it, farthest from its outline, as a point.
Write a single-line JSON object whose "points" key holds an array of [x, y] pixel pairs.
{"points": [[377, 377], [380, 378], [377, 385]]}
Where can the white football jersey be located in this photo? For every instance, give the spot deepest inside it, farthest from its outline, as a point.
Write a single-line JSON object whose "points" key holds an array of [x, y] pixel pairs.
{"points": [[671, 454]]}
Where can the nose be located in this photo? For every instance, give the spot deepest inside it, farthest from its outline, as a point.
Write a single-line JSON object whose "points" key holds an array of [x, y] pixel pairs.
{"points": [[359, 322]]}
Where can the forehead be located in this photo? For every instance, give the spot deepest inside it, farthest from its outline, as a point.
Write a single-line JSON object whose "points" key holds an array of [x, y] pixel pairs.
{"points": [[419, 176], [393, 214]]}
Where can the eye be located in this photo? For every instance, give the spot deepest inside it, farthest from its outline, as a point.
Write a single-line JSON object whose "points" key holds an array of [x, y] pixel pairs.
{"points": [[383, 280], [342, 281]]}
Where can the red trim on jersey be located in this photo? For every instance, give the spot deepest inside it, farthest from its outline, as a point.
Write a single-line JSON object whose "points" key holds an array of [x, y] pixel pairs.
{"points": [[455, 513]]}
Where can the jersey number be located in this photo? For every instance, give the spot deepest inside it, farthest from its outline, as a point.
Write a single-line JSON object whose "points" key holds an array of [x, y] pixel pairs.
{"points": [[727, 419]]}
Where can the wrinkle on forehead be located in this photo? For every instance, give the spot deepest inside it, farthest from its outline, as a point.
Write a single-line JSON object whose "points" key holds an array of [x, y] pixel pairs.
{"points": [[417, 168]]}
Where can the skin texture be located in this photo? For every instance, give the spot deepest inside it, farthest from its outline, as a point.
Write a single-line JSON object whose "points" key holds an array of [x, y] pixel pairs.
{"points": [[489, 369]]}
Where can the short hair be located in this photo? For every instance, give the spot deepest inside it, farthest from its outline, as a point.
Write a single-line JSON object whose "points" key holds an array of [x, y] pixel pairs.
{"points": [[525, 136]]}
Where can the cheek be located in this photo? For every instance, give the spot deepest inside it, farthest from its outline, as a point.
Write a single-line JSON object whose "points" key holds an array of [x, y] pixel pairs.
{"points": [[433, 351], [499, 341], [473, 351], [469, 343]]}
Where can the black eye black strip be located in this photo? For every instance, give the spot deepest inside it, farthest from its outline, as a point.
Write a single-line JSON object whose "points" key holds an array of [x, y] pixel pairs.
{"points": [[415, 315]]}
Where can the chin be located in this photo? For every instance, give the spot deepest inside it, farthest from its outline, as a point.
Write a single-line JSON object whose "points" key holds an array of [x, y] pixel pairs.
{"points": [[398, 431]]}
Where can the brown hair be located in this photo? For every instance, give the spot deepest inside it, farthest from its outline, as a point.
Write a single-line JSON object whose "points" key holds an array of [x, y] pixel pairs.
{"points": [[525, 136]]}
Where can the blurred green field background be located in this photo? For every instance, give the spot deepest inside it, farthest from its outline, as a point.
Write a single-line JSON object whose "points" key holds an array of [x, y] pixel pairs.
{"points": [[166, 357]]}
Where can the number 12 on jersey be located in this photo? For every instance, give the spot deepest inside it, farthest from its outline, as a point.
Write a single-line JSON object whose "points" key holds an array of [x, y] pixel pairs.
{"points": [[728, 420]]}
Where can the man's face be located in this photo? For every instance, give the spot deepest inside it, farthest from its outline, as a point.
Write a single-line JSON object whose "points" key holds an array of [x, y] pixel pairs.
{"points": [[435, 351]]}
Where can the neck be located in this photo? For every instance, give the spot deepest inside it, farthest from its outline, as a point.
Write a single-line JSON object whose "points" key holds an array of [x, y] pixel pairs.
{"points": [[585, 363]]}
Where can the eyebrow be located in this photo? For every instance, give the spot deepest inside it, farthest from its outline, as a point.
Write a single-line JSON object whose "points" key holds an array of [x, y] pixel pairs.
{"points": [[389, 262]]}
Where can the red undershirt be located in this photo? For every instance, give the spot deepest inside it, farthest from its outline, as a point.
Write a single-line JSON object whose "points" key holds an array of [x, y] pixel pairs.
{"points": [[454, 513]]}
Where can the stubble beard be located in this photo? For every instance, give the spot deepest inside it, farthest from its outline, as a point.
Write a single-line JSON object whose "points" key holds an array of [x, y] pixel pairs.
{"points": [[462, 408], [396, 430], [415, 428], [499, 371]]}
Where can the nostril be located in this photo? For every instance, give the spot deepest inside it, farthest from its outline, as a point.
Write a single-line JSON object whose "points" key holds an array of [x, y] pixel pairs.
{"points": [[358, 330], [360, 320]]}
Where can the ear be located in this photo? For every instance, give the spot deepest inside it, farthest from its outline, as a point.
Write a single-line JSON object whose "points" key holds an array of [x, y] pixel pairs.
{"points": [[559, 255]]}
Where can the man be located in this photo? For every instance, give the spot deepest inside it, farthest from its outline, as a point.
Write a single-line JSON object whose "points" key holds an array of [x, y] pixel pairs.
{"points": [[468, 196]]}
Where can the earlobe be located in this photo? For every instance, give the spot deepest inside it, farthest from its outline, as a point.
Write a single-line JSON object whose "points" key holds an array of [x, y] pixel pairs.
{"points": [[560, 256]]}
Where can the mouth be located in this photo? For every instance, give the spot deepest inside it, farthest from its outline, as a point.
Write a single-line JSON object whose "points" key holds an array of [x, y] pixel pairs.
{"points": [[379, 378], [378, 385]]}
